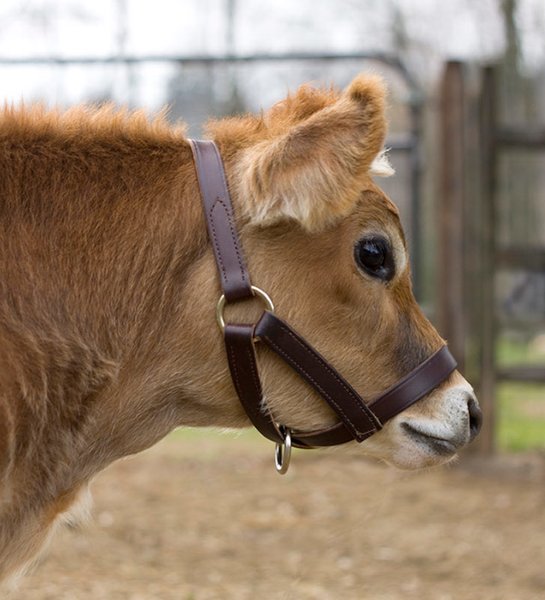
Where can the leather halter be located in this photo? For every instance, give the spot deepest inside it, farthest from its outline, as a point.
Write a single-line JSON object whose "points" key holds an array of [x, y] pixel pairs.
{"points": [[358, 420]]}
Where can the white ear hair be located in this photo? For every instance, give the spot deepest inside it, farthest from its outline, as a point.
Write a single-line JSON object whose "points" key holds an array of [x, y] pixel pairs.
{"points": [[381, 166]]}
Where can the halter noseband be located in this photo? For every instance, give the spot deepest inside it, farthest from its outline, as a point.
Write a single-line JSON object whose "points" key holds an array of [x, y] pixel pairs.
{"points": [[358, 421]]}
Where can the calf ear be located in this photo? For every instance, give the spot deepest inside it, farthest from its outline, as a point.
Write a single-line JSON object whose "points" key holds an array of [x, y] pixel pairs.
{"points": [[314, 171]]}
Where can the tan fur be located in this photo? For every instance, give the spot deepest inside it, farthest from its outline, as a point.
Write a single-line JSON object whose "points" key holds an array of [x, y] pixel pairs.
{"points": [[108, 283], [314, 171]]}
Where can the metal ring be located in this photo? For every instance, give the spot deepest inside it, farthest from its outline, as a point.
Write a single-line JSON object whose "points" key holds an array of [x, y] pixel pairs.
{"points": [[282, 452], [220, 306]]}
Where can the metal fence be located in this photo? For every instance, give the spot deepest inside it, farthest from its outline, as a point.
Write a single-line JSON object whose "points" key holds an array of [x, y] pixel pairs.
{"points": [[407, 144]]}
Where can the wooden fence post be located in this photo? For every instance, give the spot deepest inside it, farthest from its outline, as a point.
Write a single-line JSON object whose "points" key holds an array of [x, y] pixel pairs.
{"points": [[487, 358], [451, 317], [466, 233]]}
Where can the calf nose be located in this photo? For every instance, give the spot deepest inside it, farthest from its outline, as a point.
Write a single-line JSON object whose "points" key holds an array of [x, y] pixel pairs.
{"points": [[446, 433], [475, 417]]}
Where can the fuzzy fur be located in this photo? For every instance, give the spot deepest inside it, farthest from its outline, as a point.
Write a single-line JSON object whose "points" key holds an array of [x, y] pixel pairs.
{"points": [[314, 171], [108, 284]]}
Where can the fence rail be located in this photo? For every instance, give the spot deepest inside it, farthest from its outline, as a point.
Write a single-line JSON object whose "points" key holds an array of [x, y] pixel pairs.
{"points": [[523, 373], [526, 138], [516, 257]]}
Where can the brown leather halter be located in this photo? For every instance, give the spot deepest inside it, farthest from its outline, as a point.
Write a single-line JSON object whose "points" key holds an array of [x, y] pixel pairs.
{"points": [[358, 421]]}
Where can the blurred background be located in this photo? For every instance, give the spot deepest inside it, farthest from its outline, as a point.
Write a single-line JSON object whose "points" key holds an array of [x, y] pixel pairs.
{"points": [[467, 139]]}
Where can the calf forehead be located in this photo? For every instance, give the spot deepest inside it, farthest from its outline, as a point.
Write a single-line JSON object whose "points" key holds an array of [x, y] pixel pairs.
{"points": [[374, 207]]}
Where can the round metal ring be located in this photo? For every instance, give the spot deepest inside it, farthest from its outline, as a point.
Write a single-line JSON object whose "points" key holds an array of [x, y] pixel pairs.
{"points": [[220, 306], [282, 452]]}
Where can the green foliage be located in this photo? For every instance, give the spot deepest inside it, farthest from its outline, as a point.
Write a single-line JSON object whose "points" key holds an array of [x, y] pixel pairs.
{"points": [[521, 423], [510, 353]]}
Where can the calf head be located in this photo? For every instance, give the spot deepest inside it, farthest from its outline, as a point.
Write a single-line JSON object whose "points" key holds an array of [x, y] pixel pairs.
{"points": [[327, 244]]}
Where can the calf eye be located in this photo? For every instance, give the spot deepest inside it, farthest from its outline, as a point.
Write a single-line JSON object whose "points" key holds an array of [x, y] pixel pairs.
{"points": [[374, 256]]}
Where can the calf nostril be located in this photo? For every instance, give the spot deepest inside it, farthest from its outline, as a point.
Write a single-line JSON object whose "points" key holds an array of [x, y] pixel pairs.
{"points": [[475, 417]]}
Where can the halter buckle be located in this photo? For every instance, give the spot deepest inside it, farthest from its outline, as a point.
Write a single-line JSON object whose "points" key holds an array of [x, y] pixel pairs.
{"points": [[282, 451], [220, 306]]}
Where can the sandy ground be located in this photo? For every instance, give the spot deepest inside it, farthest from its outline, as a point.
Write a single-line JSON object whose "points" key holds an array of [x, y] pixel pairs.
{"points": [[198, 519]]}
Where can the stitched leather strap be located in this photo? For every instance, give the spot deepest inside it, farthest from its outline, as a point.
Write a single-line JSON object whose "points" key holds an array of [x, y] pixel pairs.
{"points": [[220, 221], [358, 420], [419, 382], [239, 344], [282, 339], [317, 372]]}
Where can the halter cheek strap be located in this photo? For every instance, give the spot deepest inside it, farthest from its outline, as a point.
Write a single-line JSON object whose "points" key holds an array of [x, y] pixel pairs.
{"points": [[357, 420]]}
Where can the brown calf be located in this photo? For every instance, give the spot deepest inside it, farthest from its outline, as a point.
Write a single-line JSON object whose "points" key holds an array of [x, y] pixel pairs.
{"points": [[108, 287]]}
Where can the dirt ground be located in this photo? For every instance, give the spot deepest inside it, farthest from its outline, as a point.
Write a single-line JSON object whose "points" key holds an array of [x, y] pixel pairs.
{"points": [[208, 518]]}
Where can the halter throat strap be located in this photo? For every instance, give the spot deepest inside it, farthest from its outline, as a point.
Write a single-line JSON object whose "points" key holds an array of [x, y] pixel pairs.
{"points": [[357, 419]]}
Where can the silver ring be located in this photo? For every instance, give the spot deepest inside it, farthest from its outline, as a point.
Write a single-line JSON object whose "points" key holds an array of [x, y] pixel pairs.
{"points": [[220, 306], [282, 452]]}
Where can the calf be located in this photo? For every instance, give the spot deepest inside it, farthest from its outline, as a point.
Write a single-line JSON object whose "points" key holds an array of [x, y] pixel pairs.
{"points": [[108, 287]]}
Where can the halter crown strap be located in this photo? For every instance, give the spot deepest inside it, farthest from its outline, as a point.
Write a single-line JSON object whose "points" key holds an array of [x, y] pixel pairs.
{"points": [[220, 221], [357, 419]]}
